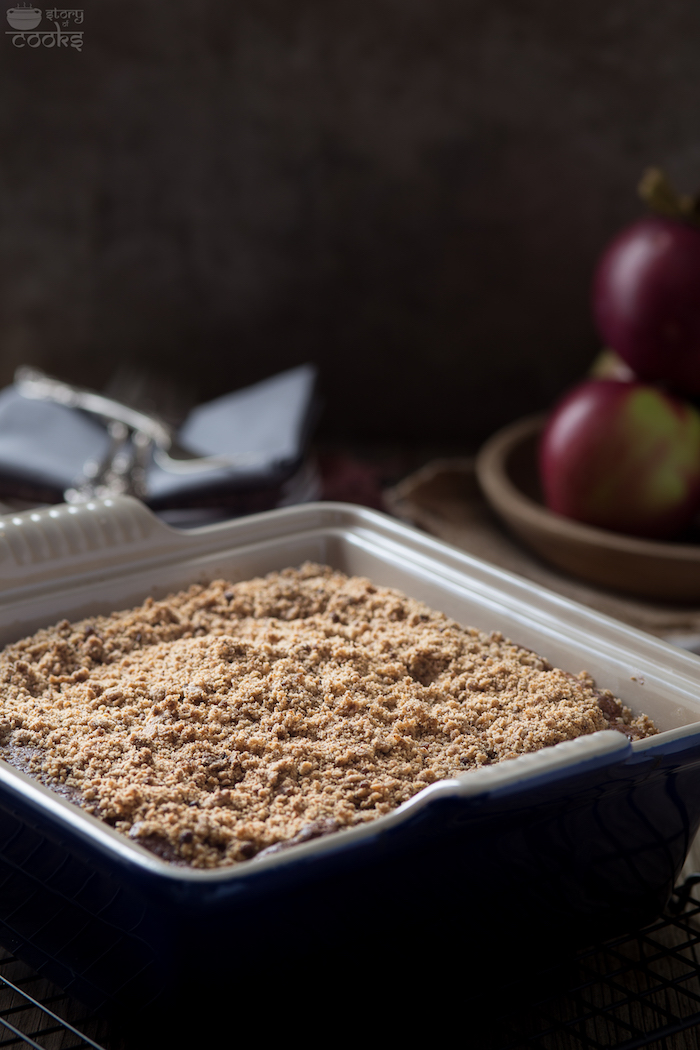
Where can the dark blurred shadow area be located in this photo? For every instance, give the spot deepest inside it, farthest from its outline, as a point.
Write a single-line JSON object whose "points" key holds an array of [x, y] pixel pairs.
{"points": [[410, 194]]}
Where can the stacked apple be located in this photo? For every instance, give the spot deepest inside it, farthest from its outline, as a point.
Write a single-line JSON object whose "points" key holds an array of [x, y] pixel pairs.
{"points": [[623, 452]]}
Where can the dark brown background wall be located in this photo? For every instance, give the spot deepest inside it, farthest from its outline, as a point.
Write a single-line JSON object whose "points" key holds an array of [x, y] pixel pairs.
{"points": [[412, 193]]}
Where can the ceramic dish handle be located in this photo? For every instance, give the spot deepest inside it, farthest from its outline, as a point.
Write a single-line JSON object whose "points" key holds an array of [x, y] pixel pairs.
{"points": [[70, 538]]}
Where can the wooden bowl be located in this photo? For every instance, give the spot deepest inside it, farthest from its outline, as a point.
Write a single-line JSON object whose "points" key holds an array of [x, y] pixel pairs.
{"points": [[507, 470]]}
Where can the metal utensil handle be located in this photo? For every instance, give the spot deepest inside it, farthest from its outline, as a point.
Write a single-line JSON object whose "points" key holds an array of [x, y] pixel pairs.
{"points": [[36, 385]]}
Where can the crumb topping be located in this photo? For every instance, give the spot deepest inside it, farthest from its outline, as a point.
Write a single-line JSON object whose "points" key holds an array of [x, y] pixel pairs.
{"points": [[229, 720]]}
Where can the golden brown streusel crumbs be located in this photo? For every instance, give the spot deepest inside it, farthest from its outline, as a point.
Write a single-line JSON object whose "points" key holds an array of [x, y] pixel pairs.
{"points": [[232, 717]]}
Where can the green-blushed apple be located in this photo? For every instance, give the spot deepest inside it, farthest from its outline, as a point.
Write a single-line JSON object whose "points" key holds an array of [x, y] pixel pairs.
{"points": [[623, 456]]}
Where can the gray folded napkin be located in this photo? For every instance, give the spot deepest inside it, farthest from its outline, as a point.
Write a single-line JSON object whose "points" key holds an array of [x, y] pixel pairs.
{"points": [[259, 435]]}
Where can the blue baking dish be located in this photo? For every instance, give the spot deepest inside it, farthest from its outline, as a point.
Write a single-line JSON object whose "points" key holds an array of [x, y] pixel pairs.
{"points": [[591, 833]]}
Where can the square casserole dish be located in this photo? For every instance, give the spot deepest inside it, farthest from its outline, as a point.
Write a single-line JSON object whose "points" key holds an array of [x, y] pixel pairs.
{"points": [[589, 835]]}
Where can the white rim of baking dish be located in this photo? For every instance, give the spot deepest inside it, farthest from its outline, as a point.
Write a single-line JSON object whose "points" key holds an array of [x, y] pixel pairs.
{"points": [[73, 546]]}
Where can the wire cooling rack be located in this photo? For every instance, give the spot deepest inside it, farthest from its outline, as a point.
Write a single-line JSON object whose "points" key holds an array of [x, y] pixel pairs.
{"points": [[34, 1012], [637, 990]]}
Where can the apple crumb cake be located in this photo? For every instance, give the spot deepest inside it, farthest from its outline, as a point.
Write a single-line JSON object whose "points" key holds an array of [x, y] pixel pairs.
{"points": [[229, 720]]}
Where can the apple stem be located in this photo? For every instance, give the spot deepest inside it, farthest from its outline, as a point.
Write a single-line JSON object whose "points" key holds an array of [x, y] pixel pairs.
{"points": [[656, 191]]}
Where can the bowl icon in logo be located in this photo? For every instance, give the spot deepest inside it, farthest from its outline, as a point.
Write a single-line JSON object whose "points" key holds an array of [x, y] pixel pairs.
{"points": [[24, 17]]}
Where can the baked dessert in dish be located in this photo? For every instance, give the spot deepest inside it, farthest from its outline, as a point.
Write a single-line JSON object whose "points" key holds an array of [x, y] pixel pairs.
{"points": [[229, 720]]}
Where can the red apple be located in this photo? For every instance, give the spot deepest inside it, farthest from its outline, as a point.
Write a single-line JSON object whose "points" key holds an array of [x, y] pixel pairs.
{"points": [[623, 456], [646, 300]]}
